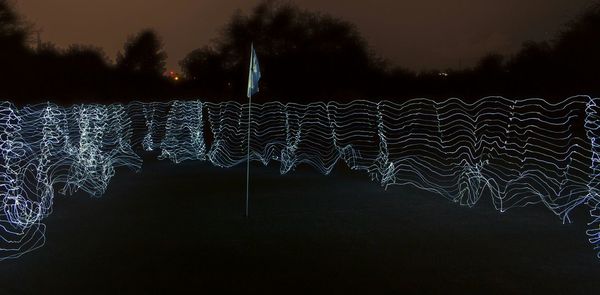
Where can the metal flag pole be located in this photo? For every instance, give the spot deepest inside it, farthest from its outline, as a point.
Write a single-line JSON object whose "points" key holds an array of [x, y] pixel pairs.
{"points": [[248, 160], [249, 93], [253, 78]]}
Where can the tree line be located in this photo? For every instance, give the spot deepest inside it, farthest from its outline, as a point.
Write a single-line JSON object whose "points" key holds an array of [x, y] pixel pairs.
{"points": [[304, 56]]}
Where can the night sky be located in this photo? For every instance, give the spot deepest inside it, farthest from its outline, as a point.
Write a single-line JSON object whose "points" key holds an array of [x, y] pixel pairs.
{"points": [[418, 34]]}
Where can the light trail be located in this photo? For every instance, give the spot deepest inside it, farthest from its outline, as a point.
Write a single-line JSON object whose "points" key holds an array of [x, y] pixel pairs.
{"points": [[519, 152]]}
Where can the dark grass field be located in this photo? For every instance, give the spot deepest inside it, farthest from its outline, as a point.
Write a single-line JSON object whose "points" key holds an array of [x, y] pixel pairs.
{"points": [[180, 227]]}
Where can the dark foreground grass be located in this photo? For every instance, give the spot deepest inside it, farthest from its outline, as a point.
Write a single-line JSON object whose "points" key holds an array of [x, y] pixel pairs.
{"points": [[174, 228]]}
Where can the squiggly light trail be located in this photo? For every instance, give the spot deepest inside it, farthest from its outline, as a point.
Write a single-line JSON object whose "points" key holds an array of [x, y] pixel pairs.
{"points": [[521, 152]]}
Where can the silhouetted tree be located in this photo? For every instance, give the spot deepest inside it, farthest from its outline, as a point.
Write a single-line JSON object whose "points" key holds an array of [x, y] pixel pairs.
{"points": [[14, 53], [143, 53], [13, 31], [491, 64], [576, 51], [532, 69], [489, 74], [204, 67]]}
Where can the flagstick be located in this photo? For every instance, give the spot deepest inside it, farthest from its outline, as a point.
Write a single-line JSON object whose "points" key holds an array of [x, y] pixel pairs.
{"points": [[249, 111], [248, 161]]}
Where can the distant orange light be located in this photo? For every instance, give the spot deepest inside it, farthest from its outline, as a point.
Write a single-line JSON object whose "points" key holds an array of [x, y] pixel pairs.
{"points": [[176, 78]]}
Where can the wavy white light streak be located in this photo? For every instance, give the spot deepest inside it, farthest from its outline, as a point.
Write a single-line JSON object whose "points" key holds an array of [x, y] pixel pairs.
{"points": [[520, 152]]}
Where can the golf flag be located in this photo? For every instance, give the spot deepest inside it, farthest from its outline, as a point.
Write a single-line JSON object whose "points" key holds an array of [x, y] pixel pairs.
{"points": [[254, 74]]}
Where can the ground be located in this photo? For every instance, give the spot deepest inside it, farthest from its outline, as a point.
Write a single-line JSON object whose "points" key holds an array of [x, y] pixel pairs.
{"points": [[175, 227]]}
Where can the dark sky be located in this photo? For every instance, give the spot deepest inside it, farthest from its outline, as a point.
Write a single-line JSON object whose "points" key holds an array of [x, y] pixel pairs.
{"points": [[418, 34]]}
